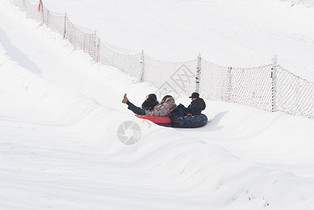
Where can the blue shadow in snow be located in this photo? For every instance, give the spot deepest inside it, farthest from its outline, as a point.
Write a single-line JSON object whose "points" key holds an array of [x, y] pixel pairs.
{"points": [[17, 55], [213, 123]]}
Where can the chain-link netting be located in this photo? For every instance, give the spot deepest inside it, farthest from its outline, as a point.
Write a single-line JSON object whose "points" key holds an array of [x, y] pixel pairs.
{"points": [[214, 81], [130, 64], [259, 87], [171, 78], [295, 95], [247, 86], [251, 87], [33, 11], [54, 21], [80, 40]]}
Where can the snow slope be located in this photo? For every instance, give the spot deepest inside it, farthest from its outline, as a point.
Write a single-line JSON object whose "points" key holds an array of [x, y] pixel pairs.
{"points": [[59, 148], [238, 33]]}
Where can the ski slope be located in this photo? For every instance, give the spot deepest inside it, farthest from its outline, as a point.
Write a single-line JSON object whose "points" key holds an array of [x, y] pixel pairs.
{"points": [[60, 113], [238, 33]]}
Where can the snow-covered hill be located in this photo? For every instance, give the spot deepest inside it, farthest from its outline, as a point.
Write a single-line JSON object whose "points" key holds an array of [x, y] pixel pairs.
{"points": [[239, 33], [60, 112]]}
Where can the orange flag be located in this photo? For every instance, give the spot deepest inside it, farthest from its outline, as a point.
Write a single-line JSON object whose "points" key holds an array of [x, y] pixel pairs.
{"points": [[39, 6]]}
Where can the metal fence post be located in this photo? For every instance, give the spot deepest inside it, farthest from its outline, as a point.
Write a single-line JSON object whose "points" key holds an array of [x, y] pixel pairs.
{"points": [[274, 84], [198, 73], [65, 25], [142, 67]]}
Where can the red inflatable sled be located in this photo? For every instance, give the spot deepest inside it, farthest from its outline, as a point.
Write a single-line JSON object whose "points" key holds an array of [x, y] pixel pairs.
{"points": [[164, 121], [189, 121]]}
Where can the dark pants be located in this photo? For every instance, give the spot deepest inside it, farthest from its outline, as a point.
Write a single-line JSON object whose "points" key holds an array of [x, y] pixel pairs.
{"points": [[135, 109], [182, 110]]}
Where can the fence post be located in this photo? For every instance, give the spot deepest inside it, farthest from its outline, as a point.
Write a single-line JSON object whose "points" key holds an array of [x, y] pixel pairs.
{"points": [[95, 46], [97, 49], [142, 67], [274, 84], [229, 87], [42, 10], [65, 25], [198, 73]]}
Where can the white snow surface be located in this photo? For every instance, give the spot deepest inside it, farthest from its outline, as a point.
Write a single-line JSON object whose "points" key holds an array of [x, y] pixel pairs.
{"points": [[238, 33], [60, 111]]}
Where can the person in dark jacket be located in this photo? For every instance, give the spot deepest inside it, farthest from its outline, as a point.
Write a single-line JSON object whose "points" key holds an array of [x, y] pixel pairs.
{"points": [[195, 108], [147, 106], [150, 102]]}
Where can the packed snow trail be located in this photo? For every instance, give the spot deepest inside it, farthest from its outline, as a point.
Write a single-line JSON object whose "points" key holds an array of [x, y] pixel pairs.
{"points": [[59, 115], [93, 80]]}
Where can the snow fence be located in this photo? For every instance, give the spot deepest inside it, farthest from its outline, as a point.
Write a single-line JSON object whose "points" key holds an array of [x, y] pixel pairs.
{"points": [[269, 87]]}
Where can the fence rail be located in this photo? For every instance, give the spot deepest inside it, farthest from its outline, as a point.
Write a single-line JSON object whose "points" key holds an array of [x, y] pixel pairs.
{"points": [[268, 87]]}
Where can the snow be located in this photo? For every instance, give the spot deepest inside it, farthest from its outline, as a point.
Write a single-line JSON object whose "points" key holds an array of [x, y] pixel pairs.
{"points": [[238, 33], [60, 112]]}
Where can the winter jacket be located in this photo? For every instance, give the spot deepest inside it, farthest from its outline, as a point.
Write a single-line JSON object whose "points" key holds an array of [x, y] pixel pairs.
{"points": [[163, 109], [196, 106], [149, 105]]}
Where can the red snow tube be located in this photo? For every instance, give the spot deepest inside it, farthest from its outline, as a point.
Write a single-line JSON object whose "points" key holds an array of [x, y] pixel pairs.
{"points": [[155, 119]]}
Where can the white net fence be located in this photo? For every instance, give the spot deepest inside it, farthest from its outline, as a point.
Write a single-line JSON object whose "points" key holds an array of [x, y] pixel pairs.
{"points": [[33, 11], [79, 39], [251, 87], [269, 87], [294, 95], [54, 21], [172, 78], [246, 86], [130, 64], [214, 81]]}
